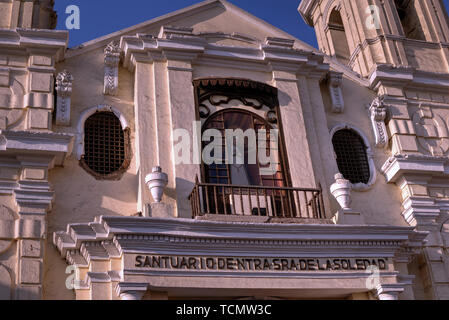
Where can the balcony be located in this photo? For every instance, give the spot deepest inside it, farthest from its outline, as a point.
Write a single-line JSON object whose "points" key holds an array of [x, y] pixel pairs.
{"points": [[257, 203]]}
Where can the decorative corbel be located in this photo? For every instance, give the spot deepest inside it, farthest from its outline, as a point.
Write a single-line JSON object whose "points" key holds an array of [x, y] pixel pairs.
{"points": [[64, 82], [112, 54], [334, 81], [378, 114]]}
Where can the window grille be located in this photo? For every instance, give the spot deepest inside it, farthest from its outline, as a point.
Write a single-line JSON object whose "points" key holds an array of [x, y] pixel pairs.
{"points": [[104, 144], [351, 154]]}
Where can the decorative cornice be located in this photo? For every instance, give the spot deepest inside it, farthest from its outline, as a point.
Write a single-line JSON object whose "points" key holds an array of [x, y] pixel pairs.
{"points": [[51, 144], [55, 42], [399, 164], [407, 76], [94, 240], [306, 8], [182, 44]]}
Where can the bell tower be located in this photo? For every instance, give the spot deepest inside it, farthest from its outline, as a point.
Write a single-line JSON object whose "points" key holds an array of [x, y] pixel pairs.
{"points": [[364, 33], [27, 14], [402, 48]]}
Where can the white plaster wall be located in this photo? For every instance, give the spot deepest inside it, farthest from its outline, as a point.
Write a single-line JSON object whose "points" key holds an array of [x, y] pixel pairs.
{"points": [[79, 198], [381, 204]]}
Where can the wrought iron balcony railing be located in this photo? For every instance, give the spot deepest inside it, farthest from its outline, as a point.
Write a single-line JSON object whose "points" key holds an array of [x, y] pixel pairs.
{"points": [[220, 199]]}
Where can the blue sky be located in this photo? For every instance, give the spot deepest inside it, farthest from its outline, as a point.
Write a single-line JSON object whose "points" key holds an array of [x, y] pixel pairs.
{"points": [[101, 17]]}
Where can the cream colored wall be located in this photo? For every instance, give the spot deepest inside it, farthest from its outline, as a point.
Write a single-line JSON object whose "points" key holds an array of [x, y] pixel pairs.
{"points": [[5, 14], [79, 198], [381, 204], [368, 49]]}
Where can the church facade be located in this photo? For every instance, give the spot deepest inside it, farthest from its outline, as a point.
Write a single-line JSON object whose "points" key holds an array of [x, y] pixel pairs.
{"points": [[120, 176]]}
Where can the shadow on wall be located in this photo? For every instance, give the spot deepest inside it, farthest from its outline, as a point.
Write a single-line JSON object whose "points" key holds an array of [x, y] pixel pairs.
{"points": [[185, 188], [284, 97], [79, 198], [5, 284]]}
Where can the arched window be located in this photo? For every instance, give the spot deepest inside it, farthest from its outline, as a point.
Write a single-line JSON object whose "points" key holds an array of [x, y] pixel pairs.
{"points": [[106, 146], [250, 173], [352, 156], [409, 19], [338, 35]]}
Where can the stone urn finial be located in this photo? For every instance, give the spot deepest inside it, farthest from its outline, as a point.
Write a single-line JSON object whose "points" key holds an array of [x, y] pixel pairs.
{"points": [[341, 190], [156, 182]]}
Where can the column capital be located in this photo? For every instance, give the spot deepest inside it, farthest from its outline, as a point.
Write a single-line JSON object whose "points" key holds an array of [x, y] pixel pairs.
{"points": [[131, 291], [389, 291]]}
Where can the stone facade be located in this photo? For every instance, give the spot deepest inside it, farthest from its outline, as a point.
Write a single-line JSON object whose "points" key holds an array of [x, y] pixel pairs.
{"points": [[387, 84]]}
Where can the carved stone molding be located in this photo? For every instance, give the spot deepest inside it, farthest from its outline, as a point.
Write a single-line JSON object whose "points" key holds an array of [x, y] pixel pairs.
{"points": [[108, 238], [112, 54], [222, 90], [131, 291], [389, 291], [64, 81], [334, 81], [378, 115]]}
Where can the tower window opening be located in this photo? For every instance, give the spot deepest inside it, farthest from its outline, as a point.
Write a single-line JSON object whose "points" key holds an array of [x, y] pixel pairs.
{"points": [[339, 39], [410, 20]]}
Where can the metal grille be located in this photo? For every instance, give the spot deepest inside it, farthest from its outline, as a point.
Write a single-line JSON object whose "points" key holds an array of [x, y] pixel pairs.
{"points": [[104, 143], [352, 159], [220, 173]]}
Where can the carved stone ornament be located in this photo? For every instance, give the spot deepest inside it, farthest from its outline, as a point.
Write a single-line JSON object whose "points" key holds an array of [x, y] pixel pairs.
{"points": [[112, 54], [64, 81], [341, 190], [378, 114], [156, 182], [334, 81], [218, 91]]}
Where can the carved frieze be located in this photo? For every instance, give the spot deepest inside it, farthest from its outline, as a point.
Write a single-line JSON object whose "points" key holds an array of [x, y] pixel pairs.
{"points": [[378, 115], [64, 82], [112, 54]]}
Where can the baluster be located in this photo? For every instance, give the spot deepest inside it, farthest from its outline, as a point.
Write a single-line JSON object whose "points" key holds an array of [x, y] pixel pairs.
{"points": [[224, 200], [290, 204], [307, 204], [215, 199], [207, 200], [282, 203], [250, 203], [273, 194], [241, 201], [268, 205], [233, 201], [298, 203], [197, 207], [258, 202], [322, 213], [191, 204]]}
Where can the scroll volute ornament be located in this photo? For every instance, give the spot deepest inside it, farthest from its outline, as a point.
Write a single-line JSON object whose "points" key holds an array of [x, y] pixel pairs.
{"points": [[334, 81], [112, 54], [378, 115]]}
